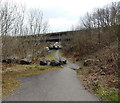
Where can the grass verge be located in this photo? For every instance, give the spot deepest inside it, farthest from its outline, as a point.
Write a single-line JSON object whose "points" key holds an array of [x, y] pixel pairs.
{"points": [[108, 94], [100, 89], [51, 55], [9, 82], [95, 84]]}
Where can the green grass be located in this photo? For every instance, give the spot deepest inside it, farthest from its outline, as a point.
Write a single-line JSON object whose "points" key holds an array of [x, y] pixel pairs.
{"points": [[60, 53], [80, 63], [35, 67], [39, 67], [51, 55], [83, 69], [108, 94]]}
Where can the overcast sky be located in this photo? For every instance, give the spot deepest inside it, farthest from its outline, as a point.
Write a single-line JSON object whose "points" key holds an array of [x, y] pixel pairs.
{"points": [[62, 14]]}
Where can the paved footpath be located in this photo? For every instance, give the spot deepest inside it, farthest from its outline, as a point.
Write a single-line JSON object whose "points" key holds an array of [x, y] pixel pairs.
{"points": [[57, 85]]}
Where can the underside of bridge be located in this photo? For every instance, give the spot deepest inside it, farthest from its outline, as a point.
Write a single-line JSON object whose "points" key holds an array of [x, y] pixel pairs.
{"points": [[53, 40], [58, 36], [49, 37]]}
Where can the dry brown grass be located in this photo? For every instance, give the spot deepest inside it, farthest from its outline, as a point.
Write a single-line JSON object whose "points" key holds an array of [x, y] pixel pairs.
{"points": [[9, 81], [102, 77]]}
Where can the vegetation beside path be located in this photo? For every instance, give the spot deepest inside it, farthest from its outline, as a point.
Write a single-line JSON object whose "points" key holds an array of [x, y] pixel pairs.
{"points": [[51, 55], [98, 84], [101, 80]]}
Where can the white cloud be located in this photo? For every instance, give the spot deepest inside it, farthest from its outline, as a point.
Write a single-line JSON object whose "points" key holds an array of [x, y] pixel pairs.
{"points": [[65, 12], [61, 23], [73, 7]]}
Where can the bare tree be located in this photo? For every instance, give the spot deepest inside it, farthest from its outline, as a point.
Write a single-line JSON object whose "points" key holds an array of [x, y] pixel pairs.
{"points": [[6, 25], [37, 25], [98, 30], [88, 24], [20, 30]]}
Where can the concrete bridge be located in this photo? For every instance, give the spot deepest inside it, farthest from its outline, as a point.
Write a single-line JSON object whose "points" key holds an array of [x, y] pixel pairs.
{"points": [[49, 37], [58, 36]]}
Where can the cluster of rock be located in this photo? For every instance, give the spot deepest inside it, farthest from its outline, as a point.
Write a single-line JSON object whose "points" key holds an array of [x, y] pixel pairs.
{"points": [[27, 61], [53, 62], [18, 61]]}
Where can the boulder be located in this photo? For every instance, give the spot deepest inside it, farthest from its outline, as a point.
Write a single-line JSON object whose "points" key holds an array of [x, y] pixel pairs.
{"points": [[43, 62], [54, 63], [88, 62], [63, 61], [25, 61], [4, 61], [9, 60]]}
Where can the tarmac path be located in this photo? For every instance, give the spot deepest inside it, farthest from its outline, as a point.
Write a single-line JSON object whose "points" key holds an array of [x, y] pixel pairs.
{"points": [[57, 85]]}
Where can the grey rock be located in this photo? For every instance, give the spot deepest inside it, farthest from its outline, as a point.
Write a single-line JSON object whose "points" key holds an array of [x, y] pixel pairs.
{"points": [[43, 62], [25, 61], [54, 63], [88, 62], [62, 61]]}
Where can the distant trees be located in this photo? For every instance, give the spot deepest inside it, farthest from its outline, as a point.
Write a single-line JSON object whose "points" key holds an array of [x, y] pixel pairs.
{"points": [[16, 26], [37, 25], [7, 20], [103, 20], [99, 29]]}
